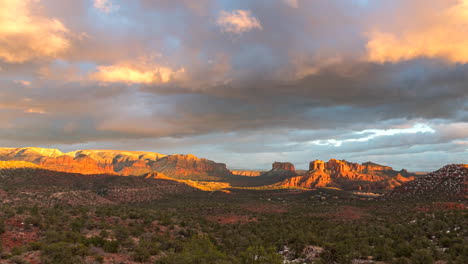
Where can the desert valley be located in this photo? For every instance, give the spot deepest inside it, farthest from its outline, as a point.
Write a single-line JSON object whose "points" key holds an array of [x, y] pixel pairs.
{"points": [[107, 206]]}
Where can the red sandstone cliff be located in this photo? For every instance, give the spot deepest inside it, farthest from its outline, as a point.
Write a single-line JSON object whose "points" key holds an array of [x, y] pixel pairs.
{"points": [[347, 175], [190, 167], [124, 163], [279, 172], [247, 173]]}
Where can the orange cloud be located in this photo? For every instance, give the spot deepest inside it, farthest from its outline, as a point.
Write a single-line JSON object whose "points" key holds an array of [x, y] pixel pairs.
{"points": [[238, 21], [445, 36], [128, 74], [35, 111], [24, 36]]}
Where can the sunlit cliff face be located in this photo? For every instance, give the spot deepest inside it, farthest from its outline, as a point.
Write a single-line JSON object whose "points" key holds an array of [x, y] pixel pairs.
{"points": [[242, 82]]}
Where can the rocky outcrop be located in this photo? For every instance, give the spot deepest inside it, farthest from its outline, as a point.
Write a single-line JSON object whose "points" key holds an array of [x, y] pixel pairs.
{"points": [[247, 173], [81, 164], [156, 175], [125, 163], [370, 166], [317, 165], [28, 154], [347, 175], [315, 179], [287, 166], [280, 171], [189, 167], [449, 181]]}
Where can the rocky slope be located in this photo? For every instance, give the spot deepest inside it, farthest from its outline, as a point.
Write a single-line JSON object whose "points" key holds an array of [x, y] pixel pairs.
{"points": [[116, 162], [190, 167], [347, 175], [30, 184], [449, 181], [247, 173]]}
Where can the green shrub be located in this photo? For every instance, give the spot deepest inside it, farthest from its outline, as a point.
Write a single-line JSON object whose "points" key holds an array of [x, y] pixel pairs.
{"points": [[422, 256], [2, 226], [111, 246]]}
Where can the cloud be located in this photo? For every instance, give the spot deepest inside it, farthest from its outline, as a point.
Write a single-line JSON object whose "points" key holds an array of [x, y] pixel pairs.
{"points": [[238, 21], [435, 33], [291, 3], [25, 36], [128, 74], [105, 6]]}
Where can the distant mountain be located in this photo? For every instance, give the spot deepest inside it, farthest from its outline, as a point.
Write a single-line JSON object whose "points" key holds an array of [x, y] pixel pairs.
{"points": [[368, 176], [449, 181], [349, 176], [117, 162]]}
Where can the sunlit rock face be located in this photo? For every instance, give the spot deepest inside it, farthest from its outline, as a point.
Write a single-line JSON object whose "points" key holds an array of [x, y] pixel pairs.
{"points": [[310, 180], [317, 165], [347, 175], [81, 164], [190, 167], [125, 163], [247, 173], [287, 166]]}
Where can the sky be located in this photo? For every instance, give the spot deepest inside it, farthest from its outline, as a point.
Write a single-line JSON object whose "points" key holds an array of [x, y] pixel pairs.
{"points": [[244, 82]]}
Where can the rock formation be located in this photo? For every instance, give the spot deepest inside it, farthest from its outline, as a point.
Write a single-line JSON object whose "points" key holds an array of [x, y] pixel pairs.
{"points": [[81, 164], [280, 171], [125, 163], [189, 167], [347, 175], [317, 165], [287, 166], [247, 173]]}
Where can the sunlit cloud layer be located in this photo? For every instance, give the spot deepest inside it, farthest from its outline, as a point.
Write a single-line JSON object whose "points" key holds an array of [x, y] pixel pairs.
{"points": [[121, 73], [238, 21], [25, 36], [242, 82], [443, 34], [105, 6]]}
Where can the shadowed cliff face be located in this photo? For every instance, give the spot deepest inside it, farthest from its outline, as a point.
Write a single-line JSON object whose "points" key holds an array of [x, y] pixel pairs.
{"points": [[279, 172], [346, 175], [287, 166], [124, 163]]}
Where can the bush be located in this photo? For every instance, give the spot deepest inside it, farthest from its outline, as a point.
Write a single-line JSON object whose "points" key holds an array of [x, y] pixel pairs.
{"points": [[2, 226], [422, 256], [198, 249], [401, 261], [99, 259], [111, 246], [63, 252], [18, 260], [403, 250], [260, 255]]}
